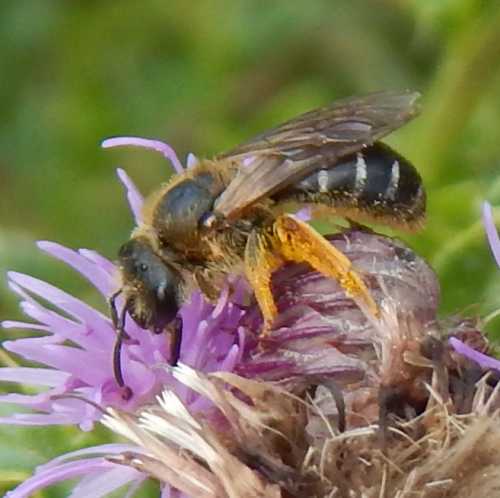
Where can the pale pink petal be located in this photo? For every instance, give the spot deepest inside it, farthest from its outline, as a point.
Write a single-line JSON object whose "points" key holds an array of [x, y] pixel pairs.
{"points": [[491, 231], [39, 419], [96, 275], [135, 199], [100, 450], [57, 474], [92, 368], [105, 482], [147, 143], [304, 214], [481, 359], [35, 376], [74, 307], [83, 334], [107, 265], [39, 401], [169, 492], [13, 324]]}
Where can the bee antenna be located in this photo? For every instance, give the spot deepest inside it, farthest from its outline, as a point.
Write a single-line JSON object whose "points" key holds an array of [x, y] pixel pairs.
{"points": [[119, 325]]}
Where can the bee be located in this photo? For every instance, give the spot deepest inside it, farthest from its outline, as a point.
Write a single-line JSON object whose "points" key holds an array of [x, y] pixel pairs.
{"points": [[229, 214]]}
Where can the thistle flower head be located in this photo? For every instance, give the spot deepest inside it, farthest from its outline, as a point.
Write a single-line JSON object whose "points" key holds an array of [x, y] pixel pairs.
{"points": [[301, 415]]}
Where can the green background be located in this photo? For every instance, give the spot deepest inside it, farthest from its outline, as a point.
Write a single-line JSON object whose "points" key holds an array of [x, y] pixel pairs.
{"points": [[205, 75]]}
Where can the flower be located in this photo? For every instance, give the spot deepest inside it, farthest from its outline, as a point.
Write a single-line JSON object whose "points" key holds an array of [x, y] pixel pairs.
{"points": [[78, 340], [283, 441], [298, 412], [273, 452], [491, 231], [485, 361], [73, 348]]}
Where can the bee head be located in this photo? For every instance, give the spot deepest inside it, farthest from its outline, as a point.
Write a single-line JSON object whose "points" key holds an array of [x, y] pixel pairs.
{"points": [[150, 285]]}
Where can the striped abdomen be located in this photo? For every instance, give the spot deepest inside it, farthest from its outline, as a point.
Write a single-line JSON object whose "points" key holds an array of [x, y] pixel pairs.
{"points": [[376, 184]]}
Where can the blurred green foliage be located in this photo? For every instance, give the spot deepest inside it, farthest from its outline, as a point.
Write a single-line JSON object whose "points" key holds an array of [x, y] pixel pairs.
{"points": [[206, 75]]}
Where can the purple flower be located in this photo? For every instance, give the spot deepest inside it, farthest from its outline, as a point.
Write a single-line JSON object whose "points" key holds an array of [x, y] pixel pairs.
{"points": [[77, 342], [491, 231], [73, 344], [484, 361], [320, 336]]}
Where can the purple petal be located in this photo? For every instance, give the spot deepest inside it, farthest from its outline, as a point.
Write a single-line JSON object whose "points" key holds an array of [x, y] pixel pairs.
{"points": [[13, 324], [230, 360], [92, 368], [37, 419], [491, 231], [134, 197], [93, 273], [85, 335], [169, 492], [105, 482], [74, 307], [99, 260], [36, 376], [147, 143], [60, 473], [304, 214], [481, 359], [102, 449], [37, 401]]}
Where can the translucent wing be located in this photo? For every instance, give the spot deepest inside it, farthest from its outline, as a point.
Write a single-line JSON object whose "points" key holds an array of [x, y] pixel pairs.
{"points": [[317, 139]]}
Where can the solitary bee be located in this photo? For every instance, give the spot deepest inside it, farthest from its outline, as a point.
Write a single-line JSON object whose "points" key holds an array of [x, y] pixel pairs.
{"points": [[229, 214]]}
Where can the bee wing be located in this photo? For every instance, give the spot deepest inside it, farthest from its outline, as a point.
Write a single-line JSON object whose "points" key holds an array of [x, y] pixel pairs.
{"points": [[285, 154]]}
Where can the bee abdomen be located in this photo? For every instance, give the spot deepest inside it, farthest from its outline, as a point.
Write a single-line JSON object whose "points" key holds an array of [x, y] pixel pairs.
{"points": [[376, 183]]}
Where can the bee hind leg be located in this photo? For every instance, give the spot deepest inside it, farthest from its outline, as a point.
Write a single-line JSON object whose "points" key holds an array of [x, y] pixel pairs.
{"points": [[289, 239], [260, 262], [298, 242]]}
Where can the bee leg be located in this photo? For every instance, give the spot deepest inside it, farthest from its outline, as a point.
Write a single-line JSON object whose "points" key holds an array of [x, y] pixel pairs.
{"points": [[119, 325], [388, 397], [296, 241], [260, 262], [175, 340]]}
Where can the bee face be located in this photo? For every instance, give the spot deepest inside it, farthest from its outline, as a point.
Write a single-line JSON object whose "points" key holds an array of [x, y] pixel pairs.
{"points": [[151, 286]]}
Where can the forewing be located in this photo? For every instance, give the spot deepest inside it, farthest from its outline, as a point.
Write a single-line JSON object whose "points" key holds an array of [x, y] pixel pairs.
{"points": [[317, 139]]}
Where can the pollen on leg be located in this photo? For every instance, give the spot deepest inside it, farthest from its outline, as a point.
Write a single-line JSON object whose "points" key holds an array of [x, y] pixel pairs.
{"points": [[260, 263], [296, 241]]}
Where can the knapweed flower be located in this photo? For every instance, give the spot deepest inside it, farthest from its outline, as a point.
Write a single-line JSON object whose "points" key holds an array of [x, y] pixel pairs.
{"points": [[305, 413], [72, 347], [484, 361], [419, 419]]}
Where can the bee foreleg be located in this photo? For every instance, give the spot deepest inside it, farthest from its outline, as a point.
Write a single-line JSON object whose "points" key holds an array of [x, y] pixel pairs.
{"points": [[119, 326], [126, 392], [260, 262], [296, 241]]}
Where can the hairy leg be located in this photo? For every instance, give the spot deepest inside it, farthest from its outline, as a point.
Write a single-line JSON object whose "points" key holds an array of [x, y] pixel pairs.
{"points": [[289, 239]]}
